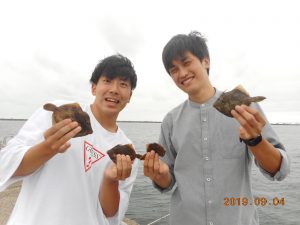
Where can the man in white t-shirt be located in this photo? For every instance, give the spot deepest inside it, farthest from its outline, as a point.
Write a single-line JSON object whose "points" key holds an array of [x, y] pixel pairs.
{"points": [[72, 181]]}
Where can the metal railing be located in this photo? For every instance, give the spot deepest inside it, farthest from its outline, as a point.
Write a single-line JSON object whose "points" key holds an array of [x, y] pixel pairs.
{"points": [[159, 219]]}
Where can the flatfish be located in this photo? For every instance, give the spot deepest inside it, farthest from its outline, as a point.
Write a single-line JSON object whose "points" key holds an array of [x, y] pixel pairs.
{"points": [[122, 150], [238, 96], [71, 111], [128, 149], [157, 148]]}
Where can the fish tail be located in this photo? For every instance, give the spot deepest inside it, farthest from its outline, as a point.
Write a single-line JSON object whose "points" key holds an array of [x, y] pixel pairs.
{"points": [[257, 98], [141, 157], [50, 107]]}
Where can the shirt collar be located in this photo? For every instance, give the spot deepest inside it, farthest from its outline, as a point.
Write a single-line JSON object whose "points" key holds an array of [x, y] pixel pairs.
{"points": [[206, 104]]}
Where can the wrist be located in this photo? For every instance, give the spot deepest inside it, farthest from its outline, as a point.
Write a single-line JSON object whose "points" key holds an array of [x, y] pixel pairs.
{"points": [[253, 141]]}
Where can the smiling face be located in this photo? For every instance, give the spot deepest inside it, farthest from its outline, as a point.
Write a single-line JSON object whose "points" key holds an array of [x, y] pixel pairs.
{"points": [[190, 74], [112, 95]]}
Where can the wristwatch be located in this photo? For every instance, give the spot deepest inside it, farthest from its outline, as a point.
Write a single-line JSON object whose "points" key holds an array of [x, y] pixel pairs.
{"points": [[253, 141]]}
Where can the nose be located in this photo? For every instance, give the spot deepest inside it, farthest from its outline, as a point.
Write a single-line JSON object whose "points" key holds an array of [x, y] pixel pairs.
{"points": [[183, 72], [114, 88]]}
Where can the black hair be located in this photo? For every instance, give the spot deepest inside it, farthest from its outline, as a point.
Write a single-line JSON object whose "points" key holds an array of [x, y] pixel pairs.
{"points": [[115, 66], [175, 49]]}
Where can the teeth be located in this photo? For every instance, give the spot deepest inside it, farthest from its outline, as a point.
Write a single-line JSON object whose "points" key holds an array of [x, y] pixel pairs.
{"points": [[112, 100], [186, 80]]}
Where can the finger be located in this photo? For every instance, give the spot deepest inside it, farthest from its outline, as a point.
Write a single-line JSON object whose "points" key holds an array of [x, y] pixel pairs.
{"points": [[119, 166], [156, 165], [250, 116], [126, 166], [245, 120], [65, 138], [151, 162], [258, 116], [146, 163], [243, 131], [53, 138], [52, 130], [64, 147], [65, 129]]}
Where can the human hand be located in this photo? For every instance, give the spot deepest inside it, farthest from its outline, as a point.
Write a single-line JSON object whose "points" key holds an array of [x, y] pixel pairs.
{"points": [[57, 136], [251, 121], [154, 168], [119, 170]]}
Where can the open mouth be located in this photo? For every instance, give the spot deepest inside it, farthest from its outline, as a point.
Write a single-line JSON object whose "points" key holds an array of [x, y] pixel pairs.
{"points": [[187, 80], [113, 100]]}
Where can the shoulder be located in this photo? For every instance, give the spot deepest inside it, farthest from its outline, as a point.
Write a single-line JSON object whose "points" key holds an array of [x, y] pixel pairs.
{"points": [[41, 115], [175, 112]]}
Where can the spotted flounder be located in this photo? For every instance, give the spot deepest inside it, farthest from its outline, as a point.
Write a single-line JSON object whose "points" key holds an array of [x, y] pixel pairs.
{"points": [[238, 96], [71, 111]]}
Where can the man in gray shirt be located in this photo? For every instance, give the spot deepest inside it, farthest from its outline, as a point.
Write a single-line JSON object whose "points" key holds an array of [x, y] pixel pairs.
{"points": [[204, 155]]}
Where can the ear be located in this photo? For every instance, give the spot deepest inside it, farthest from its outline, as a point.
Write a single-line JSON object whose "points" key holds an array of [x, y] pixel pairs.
{"points": [[93, 89], [206, 62]]}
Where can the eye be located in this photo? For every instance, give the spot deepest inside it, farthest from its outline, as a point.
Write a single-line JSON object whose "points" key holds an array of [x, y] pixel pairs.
{"points": [[187, 62], [124, 84], [173, 70], [106, 80]]}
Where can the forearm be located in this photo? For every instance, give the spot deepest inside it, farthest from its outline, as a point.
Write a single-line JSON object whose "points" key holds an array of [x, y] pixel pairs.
{"points": [[33, 159], [268, 157], [109, 197]]}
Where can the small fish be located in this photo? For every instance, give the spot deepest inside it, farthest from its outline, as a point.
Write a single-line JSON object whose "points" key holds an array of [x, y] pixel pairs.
{"points": [[122, 150], [157, 148], [71, 111], [129, 150], [238, 96]]}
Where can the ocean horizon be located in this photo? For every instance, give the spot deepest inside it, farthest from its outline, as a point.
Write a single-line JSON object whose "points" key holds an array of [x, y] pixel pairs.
{"points": [[149, 121]]}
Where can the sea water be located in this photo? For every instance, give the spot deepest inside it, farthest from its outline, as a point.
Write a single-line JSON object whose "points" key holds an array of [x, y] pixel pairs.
{"points": [[147, 204]]}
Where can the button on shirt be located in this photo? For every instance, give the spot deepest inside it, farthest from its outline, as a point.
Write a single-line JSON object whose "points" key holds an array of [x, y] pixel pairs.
{"points": [[208, 163]]}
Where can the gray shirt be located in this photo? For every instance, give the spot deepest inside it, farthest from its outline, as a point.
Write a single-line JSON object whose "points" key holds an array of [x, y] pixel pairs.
{"points": [[208, 163]]}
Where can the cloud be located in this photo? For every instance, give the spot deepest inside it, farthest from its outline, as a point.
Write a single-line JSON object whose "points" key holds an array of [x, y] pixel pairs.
{"points": [[49, 50], [125, 37]]}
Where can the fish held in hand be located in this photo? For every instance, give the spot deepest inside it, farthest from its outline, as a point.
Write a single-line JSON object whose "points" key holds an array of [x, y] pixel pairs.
{"points": [[71, 111], [122, 150], [157, 148], [238, 96]]}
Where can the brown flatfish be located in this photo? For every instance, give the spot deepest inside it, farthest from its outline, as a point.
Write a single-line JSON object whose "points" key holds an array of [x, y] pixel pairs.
{"points": [[71, 111], [238, 96], [122, 150], [157, 149]]}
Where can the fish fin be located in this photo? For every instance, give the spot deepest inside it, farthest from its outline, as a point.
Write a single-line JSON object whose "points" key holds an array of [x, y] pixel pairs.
{"points": [[130, 146], [50, 107], [257, 98], [242, 89]]}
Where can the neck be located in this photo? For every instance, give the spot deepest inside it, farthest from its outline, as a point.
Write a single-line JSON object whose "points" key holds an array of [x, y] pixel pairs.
{"points": [[107, 121], [203, 95]]}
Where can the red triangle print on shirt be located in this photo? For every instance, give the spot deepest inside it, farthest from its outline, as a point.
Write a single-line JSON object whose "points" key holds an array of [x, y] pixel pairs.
{"points": [[91, 155]]}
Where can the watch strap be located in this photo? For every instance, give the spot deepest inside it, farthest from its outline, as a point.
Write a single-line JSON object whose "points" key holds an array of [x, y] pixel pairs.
{"points": [[253, 141]]}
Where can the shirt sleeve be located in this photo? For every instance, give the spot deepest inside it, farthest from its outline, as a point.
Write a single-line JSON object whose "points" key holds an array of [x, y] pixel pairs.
{"points": [[269, 133], [283, 171], [125, 188], [170, 156], [12, 154]]}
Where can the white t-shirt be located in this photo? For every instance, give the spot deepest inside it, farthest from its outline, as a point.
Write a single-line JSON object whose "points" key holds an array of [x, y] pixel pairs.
{"points": [[64, 191]]}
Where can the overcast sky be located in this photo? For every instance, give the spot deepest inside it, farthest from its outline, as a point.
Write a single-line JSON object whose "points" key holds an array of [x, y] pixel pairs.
{"points": [[48, 50]]}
